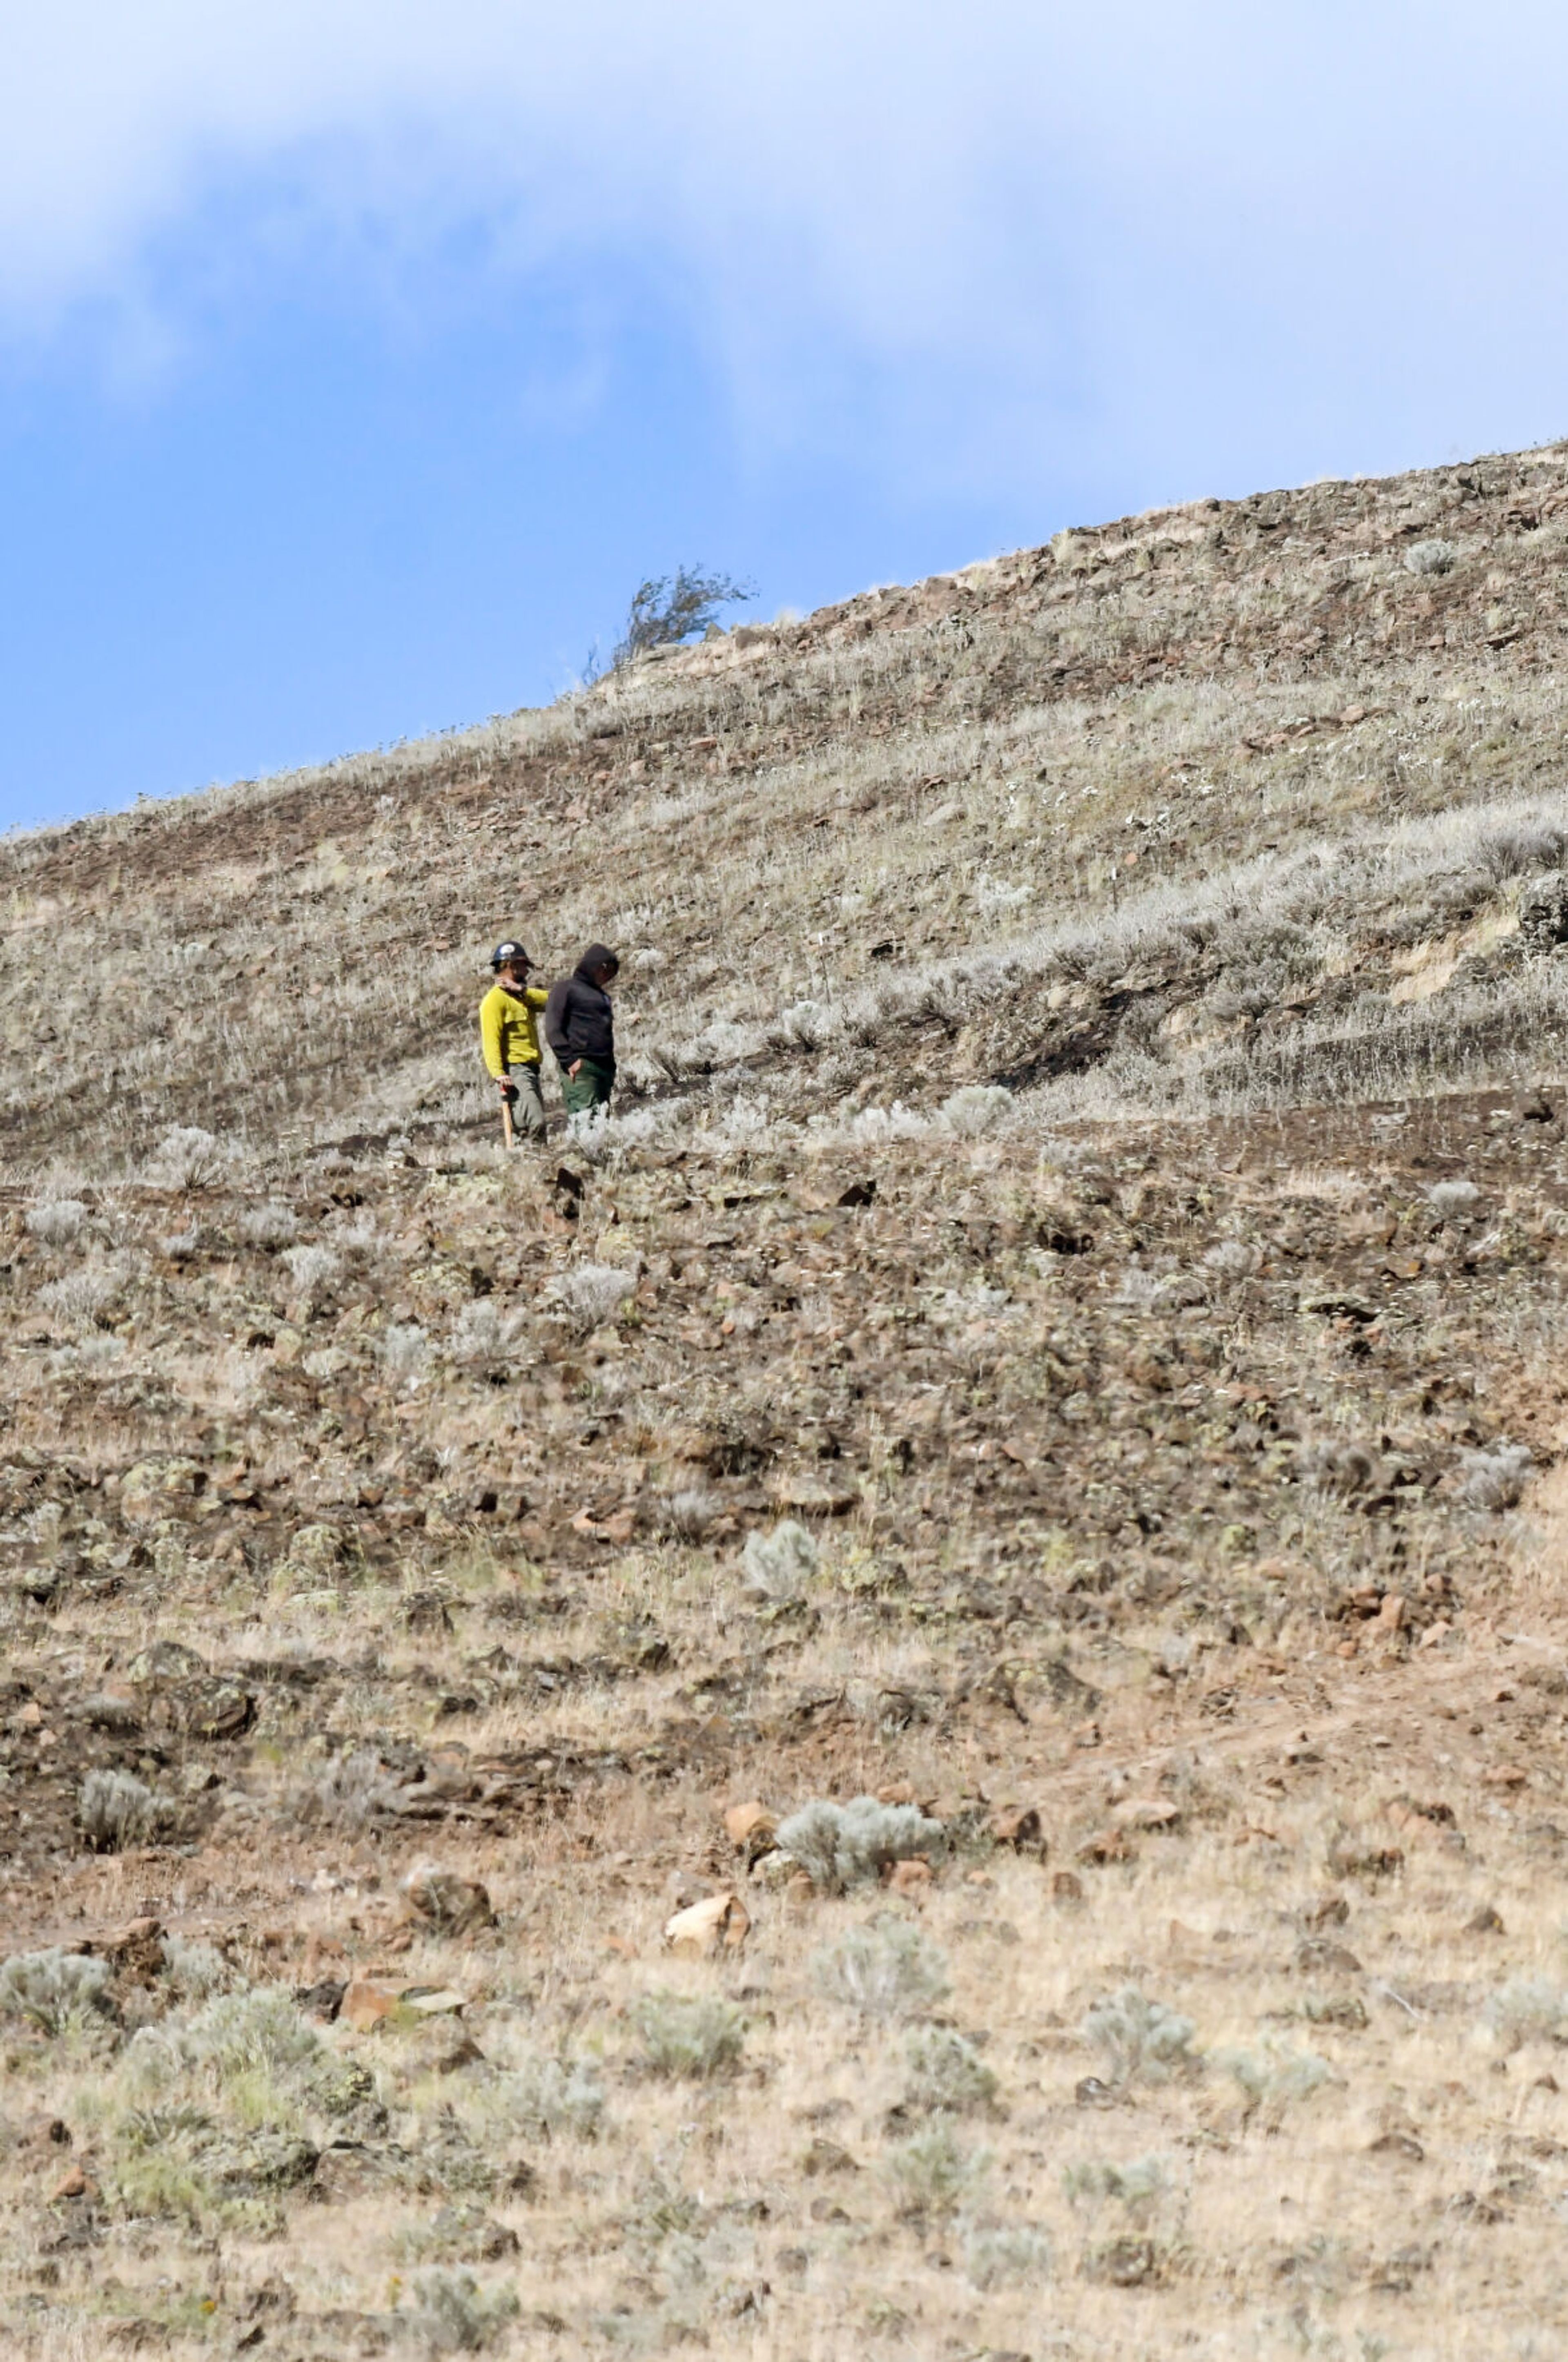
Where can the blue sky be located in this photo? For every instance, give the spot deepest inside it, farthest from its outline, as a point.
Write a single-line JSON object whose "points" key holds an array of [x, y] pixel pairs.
{"points": [[358, 357]]}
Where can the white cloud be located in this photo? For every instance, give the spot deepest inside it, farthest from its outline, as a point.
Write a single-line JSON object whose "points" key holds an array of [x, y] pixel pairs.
{"points": [[1003, 224]]}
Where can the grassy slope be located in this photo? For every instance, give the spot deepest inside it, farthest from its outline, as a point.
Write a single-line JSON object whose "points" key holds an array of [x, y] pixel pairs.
{"points": [[1126, 754], [1189, 1483]]}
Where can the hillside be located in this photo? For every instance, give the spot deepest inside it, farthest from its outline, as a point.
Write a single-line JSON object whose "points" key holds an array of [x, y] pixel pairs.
{"points": [[1061, 1341], [1159, 814]]}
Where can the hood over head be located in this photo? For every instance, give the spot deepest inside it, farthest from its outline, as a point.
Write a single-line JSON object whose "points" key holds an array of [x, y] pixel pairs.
{"points": [[596, 955]]}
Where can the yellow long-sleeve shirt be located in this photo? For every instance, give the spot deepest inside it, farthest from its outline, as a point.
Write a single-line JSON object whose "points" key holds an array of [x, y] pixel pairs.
{"points": [[509, 1027]]}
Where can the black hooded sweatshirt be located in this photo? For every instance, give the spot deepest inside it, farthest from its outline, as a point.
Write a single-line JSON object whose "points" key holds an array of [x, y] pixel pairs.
{"points": [[580, 1021]]}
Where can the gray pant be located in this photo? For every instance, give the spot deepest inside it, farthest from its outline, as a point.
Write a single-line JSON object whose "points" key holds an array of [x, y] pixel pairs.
{"points": [[528, 1107]]}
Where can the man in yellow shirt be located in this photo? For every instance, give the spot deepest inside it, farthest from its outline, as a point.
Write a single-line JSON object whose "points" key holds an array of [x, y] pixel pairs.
{"points": [[509, 1032]]}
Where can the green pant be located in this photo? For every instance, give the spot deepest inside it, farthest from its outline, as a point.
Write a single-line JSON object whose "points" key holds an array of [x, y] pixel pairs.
{"points": [[589, 1088], [527, 1102]]}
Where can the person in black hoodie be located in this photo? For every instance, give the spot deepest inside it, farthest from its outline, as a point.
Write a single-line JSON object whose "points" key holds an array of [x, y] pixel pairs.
{"points": [[579, 1026]]}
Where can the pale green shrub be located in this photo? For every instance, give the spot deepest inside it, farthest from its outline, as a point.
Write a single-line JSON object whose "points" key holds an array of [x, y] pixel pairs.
{"points": [[1528, 2009], [452, 2314], [1138, 2185], [259, 2029], [116, 1809], [839, 1846], [690, 2035], [932, 2172], [946, 2072], [1005, 2255], [885, 1970], [1143, 2040], [778, 1564], [1274, 2077], [558, 2095], [53, 1990], [57, 1220]]}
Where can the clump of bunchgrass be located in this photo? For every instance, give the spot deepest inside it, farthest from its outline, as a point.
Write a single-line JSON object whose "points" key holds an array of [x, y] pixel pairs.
{"points": [[887, 1969], [840, 1846], [1141, 2040], [687, 2035]]}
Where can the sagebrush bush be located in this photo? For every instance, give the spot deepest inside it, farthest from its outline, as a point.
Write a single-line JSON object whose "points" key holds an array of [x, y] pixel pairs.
{"points": [[271, 1225], [1006, 2255], [841, 1846], [1335, 1466], [116, 1809], [693, 2035], [557, 2096], [81, 1298], [194, 1969], [261, 2028], [932, 2172], [485, 1336], [591, 1293], [1495, 1479], [403, 1350], [1528, 2009], [977, 1108], [348, 1794], [948, 2073], [57, 1220], [887, 1969], [1142, 2041], [779, 1563], [1136, 2184], [311, 1268], [1433, 556], [1274, 2077], [53, 1990], [687, 1515], [185, 1158], [453, 2314], [1448, 1198]]}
